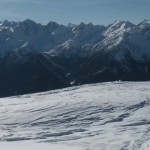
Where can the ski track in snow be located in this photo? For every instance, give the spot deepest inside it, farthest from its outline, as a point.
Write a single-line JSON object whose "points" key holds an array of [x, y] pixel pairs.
{"points": [[105, 116]]}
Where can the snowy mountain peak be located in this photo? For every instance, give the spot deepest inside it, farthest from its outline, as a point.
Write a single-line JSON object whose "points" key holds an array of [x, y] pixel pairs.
{"points": [[119, 27], [126, 24], [114, 35], [144, 24], [72, 39], [7, 25], [121, 42]]}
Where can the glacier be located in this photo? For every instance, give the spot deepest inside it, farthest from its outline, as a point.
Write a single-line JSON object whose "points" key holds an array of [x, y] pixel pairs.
{"points": [[101, 116]]}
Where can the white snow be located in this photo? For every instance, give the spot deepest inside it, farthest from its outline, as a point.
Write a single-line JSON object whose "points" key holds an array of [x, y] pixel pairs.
{"points": [[105, 116], [124, 37], [144, 24], [34, 146]]}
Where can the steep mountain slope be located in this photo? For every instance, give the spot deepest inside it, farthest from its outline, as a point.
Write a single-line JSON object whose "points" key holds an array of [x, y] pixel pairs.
{"points": [[34, 72], [123, 54], [84, 53], [17, 35], [125, 37], [145, 26], [107, 116], [85, 36]]}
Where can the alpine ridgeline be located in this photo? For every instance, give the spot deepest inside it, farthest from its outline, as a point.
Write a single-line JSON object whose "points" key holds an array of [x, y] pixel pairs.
{"points": [[35, 57]]}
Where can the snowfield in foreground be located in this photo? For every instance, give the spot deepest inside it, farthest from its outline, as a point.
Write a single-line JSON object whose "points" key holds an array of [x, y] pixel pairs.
{"points": [[105, 116]]}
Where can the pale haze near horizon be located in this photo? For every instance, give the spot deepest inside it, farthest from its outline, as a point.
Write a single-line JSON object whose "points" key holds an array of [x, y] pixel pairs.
{"points": [[75, 11]]}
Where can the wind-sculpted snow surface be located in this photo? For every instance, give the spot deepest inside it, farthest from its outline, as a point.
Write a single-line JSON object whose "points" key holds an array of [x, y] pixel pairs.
{"points": [[106, 116]]}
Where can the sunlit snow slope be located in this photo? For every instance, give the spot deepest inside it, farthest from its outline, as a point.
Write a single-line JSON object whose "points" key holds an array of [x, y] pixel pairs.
{"points": [[106, 116]]}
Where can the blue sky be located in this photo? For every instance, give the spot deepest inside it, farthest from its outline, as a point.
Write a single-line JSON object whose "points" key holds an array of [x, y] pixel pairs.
{"points": [[75, 11]]}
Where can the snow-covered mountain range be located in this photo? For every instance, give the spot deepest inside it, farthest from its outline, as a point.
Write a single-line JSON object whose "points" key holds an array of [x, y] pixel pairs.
{"points": [[106, 116], [83, 53], [82, 39]]}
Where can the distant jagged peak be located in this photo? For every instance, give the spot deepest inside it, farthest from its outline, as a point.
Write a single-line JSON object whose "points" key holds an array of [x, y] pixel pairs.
{"points": [[119, 27], [8, 26], [7, 23], [71, 25], [144, 24], [53, 25], [83, 25], [28, 26], [29, 21], [84, 28], [127, 23]]}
